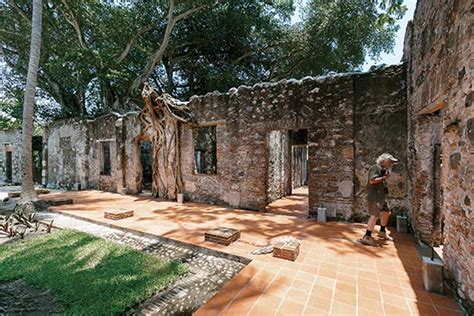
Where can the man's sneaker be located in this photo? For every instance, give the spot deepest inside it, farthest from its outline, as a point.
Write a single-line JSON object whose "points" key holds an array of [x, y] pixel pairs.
{"points": [[383, 235], [368, 241]]}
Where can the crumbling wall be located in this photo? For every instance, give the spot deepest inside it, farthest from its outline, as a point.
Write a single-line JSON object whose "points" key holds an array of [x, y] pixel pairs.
{"points": [[74, 158], [105, 129], [209, 188], [380, 126], [246, 115], [331, 147], [324, 106], [11, 141], [438, 52], [132, 170], [65, 150]]}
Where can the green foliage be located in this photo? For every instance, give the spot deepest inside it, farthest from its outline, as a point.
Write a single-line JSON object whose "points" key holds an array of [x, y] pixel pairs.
{"points": [[90, 275], [94, 55], [10, 114]]}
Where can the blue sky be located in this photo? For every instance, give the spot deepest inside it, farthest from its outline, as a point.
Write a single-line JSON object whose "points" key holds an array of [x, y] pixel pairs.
{"points": [[397, 54]]}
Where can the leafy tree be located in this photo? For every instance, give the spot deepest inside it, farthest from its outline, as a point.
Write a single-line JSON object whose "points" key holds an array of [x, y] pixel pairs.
{"points": [[96, 57], [339, 34], [10, 114]]}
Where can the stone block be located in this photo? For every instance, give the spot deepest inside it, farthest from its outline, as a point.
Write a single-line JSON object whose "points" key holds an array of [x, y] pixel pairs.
{"points": [[58, 201], [432, 274], [116, 215], [180, 198], [18, 193], [287, 250], [222, 235], [402, 224]]}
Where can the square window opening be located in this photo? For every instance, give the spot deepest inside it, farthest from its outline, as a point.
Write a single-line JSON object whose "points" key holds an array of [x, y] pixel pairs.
{"points": [[105, 169]]}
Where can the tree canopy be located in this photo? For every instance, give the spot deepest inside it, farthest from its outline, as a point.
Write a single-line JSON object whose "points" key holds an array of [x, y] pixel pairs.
{"points": [[95, 57]]}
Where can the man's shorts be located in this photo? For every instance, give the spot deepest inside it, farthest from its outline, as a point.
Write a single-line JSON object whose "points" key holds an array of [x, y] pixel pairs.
{"points": [[375, 208]]}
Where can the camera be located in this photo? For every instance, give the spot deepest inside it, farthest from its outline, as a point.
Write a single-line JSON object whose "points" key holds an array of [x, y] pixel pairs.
{"points": [[383, 172]]}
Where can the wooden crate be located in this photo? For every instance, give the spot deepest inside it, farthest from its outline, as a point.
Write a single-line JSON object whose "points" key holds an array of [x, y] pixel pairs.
{"points": [[116, 215], [222, 235], [287, 250]]}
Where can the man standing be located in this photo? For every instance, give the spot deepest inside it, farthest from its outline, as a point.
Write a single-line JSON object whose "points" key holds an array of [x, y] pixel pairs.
{"points": [[377, 191]]}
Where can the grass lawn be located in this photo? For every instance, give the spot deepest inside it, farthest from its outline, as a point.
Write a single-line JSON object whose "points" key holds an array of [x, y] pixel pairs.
{"points": [[89, 275]]}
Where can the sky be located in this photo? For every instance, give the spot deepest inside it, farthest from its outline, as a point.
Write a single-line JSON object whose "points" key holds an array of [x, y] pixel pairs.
{"points": [[396, 56]]}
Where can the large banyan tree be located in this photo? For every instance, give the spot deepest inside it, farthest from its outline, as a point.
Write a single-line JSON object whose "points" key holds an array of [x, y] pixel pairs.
{"points": [[161, 119]]}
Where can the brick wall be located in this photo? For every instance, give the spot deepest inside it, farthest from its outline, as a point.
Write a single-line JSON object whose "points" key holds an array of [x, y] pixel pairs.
{"points": [[328, 107], [438, 52]]}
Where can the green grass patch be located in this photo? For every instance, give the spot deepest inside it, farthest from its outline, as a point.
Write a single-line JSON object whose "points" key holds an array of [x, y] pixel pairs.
{"points": [[89, 275]]}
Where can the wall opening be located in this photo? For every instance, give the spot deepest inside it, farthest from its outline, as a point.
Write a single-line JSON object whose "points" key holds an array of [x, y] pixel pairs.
{"points": [[146, 160], [105, 168], [205, 150], [299, 158], [287, 172], [8, 166]]}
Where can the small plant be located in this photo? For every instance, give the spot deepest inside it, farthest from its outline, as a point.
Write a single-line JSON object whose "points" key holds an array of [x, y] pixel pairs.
{"points": [[18, 223]]}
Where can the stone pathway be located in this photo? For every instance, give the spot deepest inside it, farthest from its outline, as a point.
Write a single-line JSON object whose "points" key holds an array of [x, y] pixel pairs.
{"points": [[208, 270], [19, 298]]}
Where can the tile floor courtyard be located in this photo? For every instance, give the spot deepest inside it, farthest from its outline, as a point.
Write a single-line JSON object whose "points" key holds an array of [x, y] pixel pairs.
{"points": [[331, 276]]}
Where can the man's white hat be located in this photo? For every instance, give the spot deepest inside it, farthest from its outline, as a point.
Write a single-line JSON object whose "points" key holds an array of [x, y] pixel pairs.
{"points": [[387, 156]]}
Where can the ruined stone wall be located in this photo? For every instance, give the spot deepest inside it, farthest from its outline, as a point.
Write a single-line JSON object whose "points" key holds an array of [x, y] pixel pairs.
{"points": [[65, 149], [209, 188], [380, 126], [74, 158], [325, 106], [102, 130], [245, 116], [331, 148], [132, 176], [11, 141], [438, 52]]}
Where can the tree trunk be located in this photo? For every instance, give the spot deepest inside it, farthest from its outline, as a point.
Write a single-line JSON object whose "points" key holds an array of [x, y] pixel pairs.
{"points": [[27, 188], [160, 120]]}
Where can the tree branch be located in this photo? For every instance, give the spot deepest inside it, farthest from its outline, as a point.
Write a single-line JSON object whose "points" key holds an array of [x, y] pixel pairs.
{"points": [[249, 53], [20, 12], [71, 19], [5, 59], [130, 42], [188, 13], [158, 55]]}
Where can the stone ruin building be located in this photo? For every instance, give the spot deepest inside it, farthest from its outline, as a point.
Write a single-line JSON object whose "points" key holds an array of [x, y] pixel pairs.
{"points": [[253, 145], [238, 150], [11, 153]]}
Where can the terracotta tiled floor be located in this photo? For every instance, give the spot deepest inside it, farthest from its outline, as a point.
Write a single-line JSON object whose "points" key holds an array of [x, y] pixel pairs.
{"points": [[332, 275]]}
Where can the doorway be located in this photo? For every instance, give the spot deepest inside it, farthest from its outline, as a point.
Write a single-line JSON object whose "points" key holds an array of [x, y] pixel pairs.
{"points": [[287, 172], [8, 166], [146, 160]]}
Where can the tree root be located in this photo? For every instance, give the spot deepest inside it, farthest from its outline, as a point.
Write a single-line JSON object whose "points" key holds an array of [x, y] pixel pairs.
{"points": [[160, 120]]}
